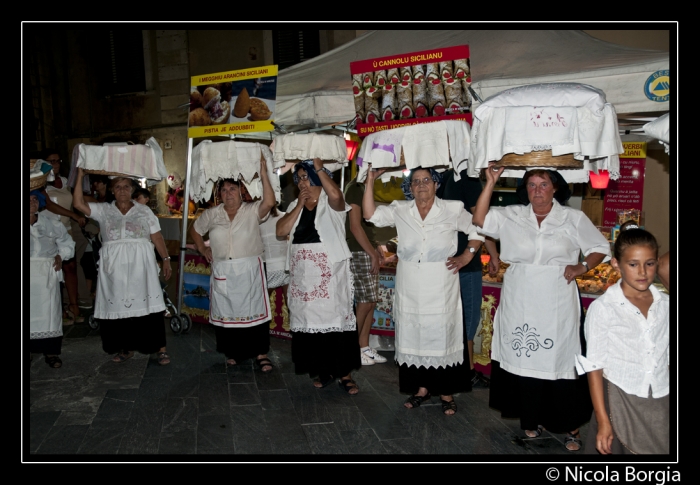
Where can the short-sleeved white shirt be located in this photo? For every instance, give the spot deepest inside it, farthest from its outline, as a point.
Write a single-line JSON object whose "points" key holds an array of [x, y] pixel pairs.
{"points": [[139, 223], [432, 239], [239, 238], [48, 237], [558, 241], [633, 351]]}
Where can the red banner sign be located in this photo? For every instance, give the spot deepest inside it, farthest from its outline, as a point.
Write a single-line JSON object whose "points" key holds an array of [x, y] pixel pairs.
{"points": [[626, 194]]}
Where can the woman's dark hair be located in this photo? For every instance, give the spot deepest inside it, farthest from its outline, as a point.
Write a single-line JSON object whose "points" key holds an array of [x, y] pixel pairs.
{"points": [[221, 183], [140, 191], [631, 235], [562, 192], [94, 177], [50, 151]]}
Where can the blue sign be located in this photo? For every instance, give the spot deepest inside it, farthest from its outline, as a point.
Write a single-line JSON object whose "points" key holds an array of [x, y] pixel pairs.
{"points": [[657, 86]]}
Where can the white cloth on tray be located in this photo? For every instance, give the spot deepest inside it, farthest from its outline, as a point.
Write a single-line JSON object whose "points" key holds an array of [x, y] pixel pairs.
{"points": [[231, 159], [308, 146], [659, 129], [577, 120], [141, 161]]}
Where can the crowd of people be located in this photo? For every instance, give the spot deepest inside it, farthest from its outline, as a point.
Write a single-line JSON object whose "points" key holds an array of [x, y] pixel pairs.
{"points": [[322, 251]]}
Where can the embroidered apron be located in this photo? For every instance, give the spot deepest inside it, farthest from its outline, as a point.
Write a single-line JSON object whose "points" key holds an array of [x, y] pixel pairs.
{"points": [[238, 296], [45, 299], [320, 293], [536, 326], [127, 280], [427, 311]]}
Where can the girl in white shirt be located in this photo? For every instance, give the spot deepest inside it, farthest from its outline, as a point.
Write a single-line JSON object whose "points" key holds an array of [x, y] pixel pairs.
{"points": [[627, 334]]}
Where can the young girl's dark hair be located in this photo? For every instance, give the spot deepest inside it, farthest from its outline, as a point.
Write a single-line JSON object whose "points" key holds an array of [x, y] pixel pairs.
{"points": [[632, 235]]}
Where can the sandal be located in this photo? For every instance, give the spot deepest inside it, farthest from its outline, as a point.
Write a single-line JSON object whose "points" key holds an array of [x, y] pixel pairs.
{"points": [[348, 385], [121, 357], [322, 382], [449, 406], [54, 361], [573, 439], [416, 401], [265, 362], [75, 316], [536, 433], [163, 358]]}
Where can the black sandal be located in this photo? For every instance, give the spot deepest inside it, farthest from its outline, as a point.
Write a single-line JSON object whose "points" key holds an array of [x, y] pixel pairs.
{"points": [[324, 381], [54, 361], [265, 362], [537, 432], [575, 439], [347, 385], [449, 406], [416, 401]]}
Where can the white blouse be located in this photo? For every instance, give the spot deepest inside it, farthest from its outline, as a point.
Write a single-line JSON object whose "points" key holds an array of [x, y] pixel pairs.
{"points": [[48, 237], [432, 239], [239, 238], [562, 236], [275, 247], [633, 351], [139, 223]]}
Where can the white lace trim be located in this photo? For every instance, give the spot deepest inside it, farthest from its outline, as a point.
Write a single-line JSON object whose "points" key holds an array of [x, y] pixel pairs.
{"points": [[430, 361], [48, 334]]}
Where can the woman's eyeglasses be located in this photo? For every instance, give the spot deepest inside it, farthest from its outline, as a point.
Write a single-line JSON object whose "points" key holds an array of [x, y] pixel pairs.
{"points": [[425, 181], [303, 177], [55, 161]]}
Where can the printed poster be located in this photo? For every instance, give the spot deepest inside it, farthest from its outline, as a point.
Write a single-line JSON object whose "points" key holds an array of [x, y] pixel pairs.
{"points": [[627, 192], [383, 321], [230, 102], [407, 89]]}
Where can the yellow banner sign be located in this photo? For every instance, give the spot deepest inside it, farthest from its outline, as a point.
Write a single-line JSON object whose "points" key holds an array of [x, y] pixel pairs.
{"points": [[238, 75], [634, 149], [214, 130]]}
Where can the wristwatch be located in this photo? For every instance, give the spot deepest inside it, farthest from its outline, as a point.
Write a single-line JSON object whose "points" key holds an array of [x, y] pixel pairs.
{"points": [[318, 170], [472, 250], [585, 265]]}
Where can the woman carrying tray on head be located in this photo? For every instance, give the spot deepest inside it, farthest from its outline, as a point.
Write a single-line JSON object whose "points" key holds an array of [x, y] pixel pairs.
{"points": [[240, 304], [320, 296], [129, 299], [537, 326]]}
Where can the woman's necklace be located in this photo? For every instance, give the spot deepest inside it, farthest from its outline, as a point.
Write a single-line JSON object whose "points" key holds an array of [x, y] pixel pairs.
{"points": [[541, 215]]}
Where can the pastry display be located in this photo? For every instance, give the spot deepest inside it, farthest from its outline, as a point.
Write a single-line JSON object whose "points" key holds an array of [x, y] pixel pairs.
{"points": [[359, 98], [389, 103], [404, 96], [219, 109], [372, 96], [462, 69], [453, 96], [420, 97], [405, 73], [380, 78], [445, 70], [436, 97], [259, 110], [392, 75], [242, 104]]}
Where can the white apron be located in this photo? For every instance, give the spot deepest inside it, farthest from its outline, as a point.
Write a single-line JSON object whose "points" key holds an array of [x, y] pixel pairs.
{"points": [[238, 296], [536, 327], [127, 280], [428, 315], [44, 299], [64, 198], [320, 293]]}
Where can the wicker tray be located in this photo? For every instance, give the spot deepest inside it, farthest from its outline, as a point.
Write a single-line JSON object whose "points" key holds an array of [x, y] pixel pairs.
{"points": [[105, 172], [38, 182], [539, 159]]}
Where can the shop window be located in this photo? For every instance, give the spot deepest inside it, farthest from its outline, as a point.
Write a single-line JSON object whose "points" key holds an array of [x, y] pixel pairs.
{"points": [[291, 47], [120, 62]]}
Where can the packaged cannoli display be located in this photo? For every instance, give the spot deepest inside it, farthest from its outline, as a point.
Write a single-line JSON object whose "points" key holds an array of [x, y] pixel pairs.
{"points": [[372, 95], [419, 71], [389, 104], [405, 89], [436, 97], [359, 98], [367, 80], [446, 70], [380, 79], [453, 96], [404, 95], [392, 75], [462, 69], [420, 98]]}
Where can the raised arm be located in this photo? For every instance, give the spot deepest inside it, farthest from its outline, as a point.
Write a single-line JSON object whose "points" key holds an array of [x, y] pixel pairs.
{"points": [[368, 204], [482, 204], [335, 195], [268, 199], [78, 199]]}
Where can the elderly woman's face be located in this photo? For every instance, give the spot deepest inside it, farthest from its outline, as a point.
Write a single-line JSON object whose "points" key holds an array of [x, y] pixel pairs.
{"points": [[422, 185], [122, 189], [230, 193], [33, 204], [303, 179], [540, 190]]}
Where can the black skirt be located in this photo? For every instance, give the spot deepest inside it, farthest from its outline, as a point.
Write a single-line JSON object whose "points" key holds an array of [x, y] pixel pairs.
{"points": [[244, 343], [332, 354], [145, 334], [559, 406], [47, 346], [441, 381]]}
